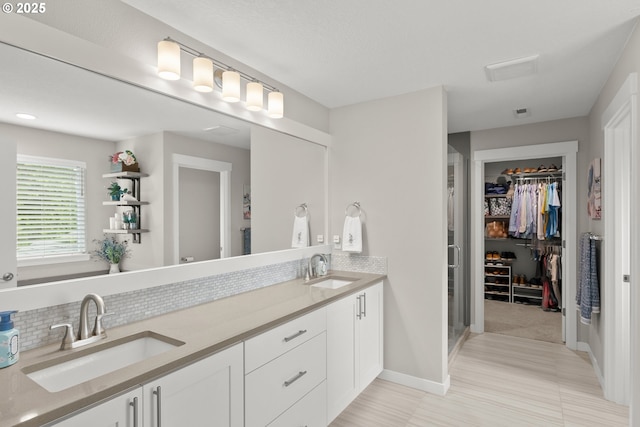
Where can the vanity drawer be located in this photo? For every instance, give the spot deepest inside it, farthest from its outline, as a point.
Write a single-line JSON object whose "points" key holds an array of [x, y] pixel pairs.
{"points": [[271, 344], [273, 388], [310, 411]]}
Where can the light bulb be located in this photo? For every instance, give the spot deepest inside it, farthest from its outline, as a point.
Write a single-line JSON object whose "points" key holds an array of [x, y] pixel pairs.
{"points": [[169, 60], [276, 105], [231, 86], [255, 96], [202, 74]]}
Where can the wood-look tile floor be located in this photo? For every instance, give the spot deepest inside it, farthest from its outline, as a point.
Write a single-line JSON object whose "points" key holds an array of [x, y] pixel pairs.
{"points": [[496, 380]]}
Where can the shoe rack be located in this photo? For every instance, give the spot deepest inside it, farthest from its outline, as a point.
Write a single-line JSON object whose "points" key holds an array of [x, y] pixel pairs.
{"points": [[526, 292], [497, 278]]}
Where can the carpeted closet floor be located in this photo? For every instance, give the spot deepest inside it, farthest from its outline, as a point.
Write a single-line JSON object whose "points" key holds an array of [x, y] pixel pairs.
{"points": [[524, 321]]}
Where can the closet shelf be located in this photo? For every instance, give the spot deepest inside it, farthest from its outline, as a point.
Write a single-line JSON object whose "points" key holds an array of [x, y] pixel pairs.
{"points": [[490, 196], [497, 217]]}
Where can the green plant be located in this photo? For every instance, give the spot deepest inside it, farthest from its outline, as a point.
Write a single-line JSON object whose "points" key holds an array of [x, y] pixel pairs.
{"points": [[116, 191], [111, 250]]}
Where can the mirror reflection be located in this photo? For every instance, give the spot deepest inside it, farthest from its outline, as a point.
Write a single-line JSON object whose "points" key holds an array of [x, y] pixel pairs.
{"points": [[195, 167]]}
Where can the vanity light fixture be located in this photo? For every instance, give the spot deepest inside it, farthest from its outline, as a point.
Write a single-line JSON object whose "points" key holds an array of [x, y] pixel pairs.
{"points": [[207, 71], [231, 86], [169, 59], [276, 105], [202, 74], [25, 116], [255, 96]]}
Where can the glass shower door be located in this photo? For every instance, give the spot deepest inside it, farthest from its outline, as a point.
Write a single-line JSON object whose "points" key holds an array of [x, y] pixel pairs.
{"points": [[458, 306]]}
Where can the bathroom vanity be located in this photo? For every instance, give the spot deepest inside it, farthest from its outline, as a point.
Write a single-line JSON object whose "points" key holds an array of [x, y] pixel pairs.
{"points": [[293, 352]]}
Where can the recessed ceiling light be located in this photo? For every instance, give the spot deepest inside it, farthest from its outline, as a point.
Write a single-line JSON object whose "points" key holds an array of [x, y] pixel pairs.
{"points": [[25, 116], [512, 69]]}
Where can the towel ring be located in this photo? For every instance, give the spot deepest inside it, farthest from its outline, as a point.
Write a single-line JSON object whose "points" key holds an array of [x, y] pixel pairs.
{"points": [[301, 211], [355, 205]]}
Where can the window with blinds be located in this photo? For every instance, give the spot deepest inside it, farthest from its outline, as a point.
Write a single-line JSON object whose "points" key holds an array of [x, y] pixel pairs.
{"points": [[50, 208]]}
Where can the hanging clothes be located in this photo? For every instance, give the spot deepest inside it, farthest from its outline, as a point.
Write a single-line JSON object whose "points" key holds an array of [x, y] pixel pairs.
{"points": [[588, 292], [535, 211]]}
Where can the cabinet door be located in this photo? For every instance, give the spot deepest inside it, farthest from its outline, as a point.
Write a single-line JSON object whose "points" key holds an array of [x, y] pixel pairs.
{"points": [[342, 381], [209, 392], [369, 334], [117, 412]]}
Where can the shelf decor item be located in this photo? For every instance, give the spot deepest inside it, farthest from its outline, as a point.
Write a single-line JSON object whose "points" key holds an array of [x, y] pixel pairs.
{"points": [[124, 161], [116, 192], [113, 251]]}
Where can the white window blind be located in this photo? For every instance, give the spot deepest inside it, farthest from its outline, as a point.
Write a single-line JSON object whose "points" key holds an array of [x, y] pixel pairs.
{"points": [[50, 208]]}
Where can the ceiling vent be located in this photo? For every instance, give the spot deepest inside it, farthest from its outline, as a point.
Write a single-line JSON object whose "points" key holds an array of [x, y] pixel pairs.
{"points": [[521, 113], [512, 69]]}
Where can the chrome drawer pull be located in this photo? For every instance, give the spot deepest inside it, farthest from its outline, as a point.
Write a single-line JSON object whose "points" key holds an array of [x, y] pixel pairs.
{"points": [[296, 335], [294, 379], [134, 404], [158, 393]]}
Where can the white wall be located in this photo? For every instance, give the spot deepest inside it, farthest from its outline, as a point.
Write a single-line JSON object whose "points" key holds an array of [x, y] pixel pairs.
{"points": [[95, 153], [285, 172], [240, 159], [629, 62], [390, 155]]}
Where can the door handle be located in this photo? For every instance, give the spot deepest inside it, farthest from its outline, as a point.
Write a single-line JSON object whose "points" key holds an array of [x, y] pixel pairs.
{"points": [[134, 404], [158, 393], [459, 252], [7, 277]]}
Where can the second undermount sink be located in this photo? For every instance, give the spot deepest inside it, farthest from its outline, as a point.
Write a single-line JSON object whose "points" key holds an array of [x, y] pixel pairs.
{"points": [[332, 283], [60, 374]]}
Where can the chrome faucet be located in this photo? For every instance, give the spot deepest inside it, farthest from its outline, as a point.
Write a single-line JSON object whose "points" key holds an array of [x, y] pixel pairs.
{"points": [[85, 336], [313, 271], [83, 332]]}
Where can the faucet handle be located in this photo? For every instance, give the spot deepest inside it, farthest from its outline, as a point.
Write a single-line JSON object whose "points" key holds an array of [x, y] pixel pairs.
{"points": [[98, 328], [69, 338]]}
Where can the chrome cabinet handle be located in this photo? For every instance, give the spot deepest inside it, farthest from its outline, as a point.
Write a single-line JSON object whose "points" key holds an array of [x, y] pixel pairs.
{"points": [[158, 393], [459, 252], [359, 313], [296, 335], [134, 404], [364, 304], [294, 379]]}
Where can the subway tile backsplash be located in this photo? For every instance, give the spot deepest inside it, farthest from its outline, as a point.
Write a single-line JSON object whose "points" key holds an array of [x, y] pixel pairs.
{"points": [[142, 304]]}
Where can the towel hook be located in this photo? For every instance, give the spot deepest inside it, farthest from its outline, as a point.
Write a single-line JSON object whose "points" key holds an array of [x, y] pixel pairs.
{"points": [[301, 211], [356, 205]]}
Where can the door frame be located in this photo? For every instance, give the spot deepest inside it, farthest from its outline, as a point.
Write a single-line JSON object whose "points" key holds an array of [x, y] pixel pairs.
{"points": [[224, 168], [568, 151], [619, 127]]}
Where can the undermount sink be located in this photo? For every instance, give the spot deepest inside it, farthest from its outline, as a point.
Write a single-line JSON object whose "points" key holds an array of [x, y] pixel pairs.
{"points": [[60, 374], [332, 283]]}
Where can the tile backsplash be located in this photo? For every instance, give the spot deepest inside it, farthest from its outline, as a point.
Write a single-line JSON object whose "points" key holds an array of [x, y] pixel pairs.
{"points": [[137, 305]]}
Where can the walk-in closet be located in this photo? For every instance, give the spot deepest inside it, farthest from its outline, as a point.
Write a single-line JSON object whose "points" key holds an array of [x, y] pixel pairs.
{"points": [[523, 248]]}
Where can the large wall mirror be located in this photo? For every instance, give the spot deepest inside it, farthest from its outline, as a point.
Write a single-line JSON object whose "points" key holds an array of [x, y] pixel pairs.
{"points": [[87, 117]]}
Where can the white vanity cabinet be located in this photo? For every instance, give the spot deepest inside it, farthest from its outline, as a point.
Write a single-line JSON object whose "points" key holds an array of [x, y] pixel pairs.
{"points": [[354, 346], [285, 372], [122, 411], [208, 392]]}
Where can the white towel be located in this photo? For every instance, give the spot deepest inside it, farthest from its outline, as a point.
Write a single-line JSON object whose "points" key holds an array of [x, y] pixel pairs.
{"points": [[352, 234], [300, 238]]}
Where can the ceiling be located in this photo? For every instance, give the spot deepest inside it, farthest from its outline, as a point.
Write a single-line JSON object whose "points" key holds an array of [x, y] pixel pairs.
{"points": [[63, 98], [340, 52]]}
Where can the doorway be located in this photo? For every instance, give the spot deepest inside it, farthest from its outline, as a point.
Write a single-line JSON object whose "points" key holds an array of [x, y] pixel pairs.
{"points": [[619, 133], [184, 164], [458, 285], [565, 150], [199, 219]]}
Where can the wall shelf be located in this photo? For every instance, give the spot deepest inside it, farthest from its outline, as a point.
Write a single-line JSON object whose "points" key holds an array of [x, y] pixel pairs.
{"points": [[136, 204]]}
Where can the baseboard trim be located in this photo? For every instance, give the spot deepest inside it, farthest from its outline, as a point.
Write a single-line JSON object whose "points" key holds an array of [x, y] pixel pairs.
{"points": [[583, 346], [418, 383]]}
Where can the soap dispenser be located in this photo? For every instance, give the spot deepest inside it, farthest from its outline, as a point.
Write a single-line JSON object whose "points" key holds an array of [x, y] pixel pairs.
{"points": [[9, 349]]}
